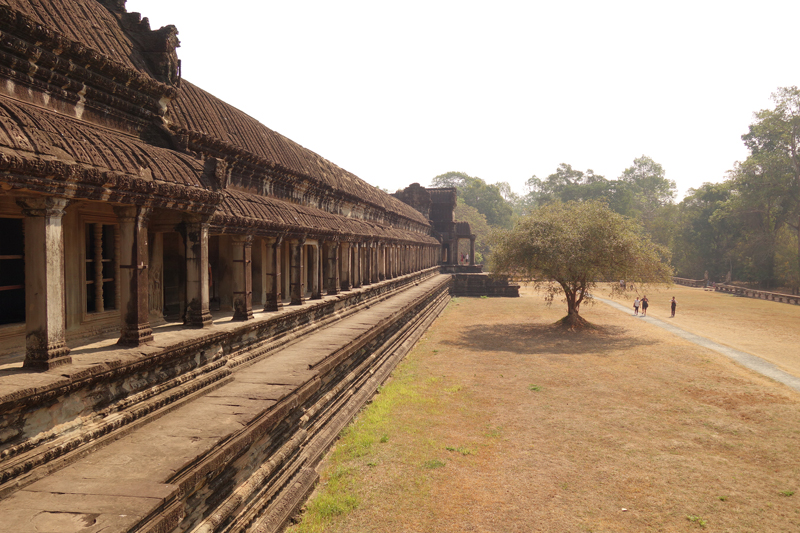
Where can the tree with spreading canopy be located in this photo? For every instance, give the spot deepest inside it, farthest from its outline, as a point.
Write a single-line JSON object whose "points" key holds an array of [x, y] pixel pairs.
{"points": [[567, 248]]}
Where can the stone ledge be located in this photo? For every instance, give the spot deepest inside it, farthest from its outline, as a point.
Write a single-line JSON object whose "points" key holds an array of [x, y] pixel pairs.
{"points": [[258, 474], [94, 399]]}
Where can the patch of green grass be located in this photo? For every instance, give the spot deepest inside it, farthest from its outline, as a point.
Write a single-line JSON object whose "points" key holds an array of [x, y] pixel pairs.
{"points": [[723, 498], [331, 504], [534, 387], [786, 493], [697, 520], [337, 493], [454, 388], [433, 464], [460, 449], [493, 433]]}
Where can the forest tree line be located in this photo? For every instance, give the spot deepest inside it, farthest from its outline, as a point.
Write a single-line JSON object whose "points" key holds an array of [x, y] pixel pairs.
{"points": [[746, 227]]}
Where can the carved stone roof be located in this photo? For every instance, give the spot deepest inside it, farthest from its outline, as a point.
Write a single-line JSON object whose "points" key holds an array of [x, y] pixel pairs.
{"points": [[463, 229], [197, 110], [445, 195], [240, 209], [26, 128], [47, 152], [88, 23]]}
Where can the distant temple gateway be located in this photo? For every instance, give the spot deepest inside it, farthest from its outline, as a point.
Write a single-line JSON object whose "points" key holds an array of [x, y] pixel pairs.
{"points": [[158, 245]]}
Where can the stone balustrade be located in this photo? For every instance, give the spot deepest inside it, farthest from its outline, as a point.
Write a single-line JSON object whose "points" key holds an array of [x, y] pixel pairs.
{"points": [[760, 295]]}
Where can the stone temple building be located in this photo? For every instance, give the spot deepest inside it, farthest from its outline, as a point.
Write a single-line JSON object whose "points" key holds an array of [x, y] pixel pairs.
{"points": [[191, 304]]}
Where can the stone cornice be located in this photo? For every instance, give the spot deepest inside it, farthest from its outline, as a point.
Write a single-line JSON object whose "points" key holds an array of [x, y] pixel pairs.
{"points": [[75, 181], [45, 55], [260, 168]]}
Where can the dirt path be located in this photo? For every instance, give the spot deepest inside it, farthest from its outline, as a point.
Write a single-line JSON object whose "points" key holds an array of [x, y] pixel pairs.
{"points": [[768, 330], [758, 364], [499, 423]]}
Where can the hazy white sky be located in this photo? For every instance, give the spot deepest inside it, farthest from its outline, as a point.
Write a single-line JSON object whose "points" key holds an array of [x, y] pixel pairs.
{"points": [[399, 92]]}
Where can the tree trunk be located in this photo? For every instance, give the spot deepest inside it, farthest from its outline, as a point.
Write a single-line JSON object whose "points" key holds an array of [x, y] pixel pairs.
{"points": [[573, 320]]}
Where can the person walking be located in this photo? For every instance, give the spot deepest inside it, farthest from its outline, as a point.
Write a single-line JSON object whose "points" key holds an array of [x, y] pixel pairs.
{"points": [[645, 305], [673, 304], [636, 307]]}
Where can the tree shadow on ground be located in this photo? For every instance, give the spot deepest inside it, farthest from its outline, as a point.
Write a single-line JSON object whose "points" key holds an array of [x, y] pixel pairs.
{"points": [[540, 339]]}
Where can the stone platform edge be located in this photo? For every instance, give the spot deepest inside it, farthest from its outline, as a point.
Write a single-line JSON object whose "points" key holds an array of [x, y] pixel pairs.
{"points": [[79, 408]]}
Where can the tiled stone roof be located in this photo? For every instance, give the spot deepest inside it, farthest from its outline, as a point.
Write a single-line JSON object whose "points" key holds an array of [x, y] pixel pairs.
{"points": [[197, 110], [27, 128], [274, 215], [443, 196], [88, 23]]}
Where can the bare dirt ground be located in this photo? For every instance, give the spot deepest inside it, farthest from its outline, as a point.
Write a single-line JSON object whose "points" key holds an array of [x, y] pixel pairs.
{"points": [[501, 423]]}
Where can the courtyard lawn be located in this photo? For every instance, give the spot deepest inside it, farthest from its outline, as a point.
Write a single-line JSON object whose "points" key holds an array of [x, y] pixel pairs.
{"points": [[499, 422]]}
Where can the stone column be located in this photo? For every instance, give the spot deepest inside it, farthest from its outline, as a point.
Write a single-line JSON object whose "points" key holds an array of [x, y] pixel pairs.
{"points": [[316, 271], [198, 314], [345, 273], [133, 276], [369, 264], [356, 265], [472, 250], [333, 282], [296, 271], [45, 320], [263, 250], [273, 282], [381, 261], [378, 267], [242, 277]]}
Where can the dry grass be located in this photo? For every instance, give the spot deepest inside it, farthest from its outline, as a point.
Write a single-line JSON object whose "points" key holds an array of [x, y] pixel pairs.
{"points": [[499, 422], [769, 330]]}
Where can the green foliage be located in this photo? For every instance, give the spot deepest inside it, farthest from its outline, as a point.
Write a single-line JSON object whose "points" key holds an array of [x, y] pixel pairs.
{"points": [[479, 226], [567, 247], [433, 464], [648, 187], [702, 241], [459, 449], [749, 224], [697, 520], [487, 199], [534, 388]]}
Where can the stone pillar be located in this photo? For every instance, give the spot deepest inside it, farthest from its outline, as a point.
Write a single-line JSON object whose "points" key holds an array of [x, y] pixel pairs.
{"points": [[381, 261], [472, 250], [296, 271], [316, 271], [333, 282], [198, 314], [378, 263], [345, 273], [356, 265], [134, 286], [273, 282], [264, 250], [45, 320], [242, 277], [366, 264]]}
